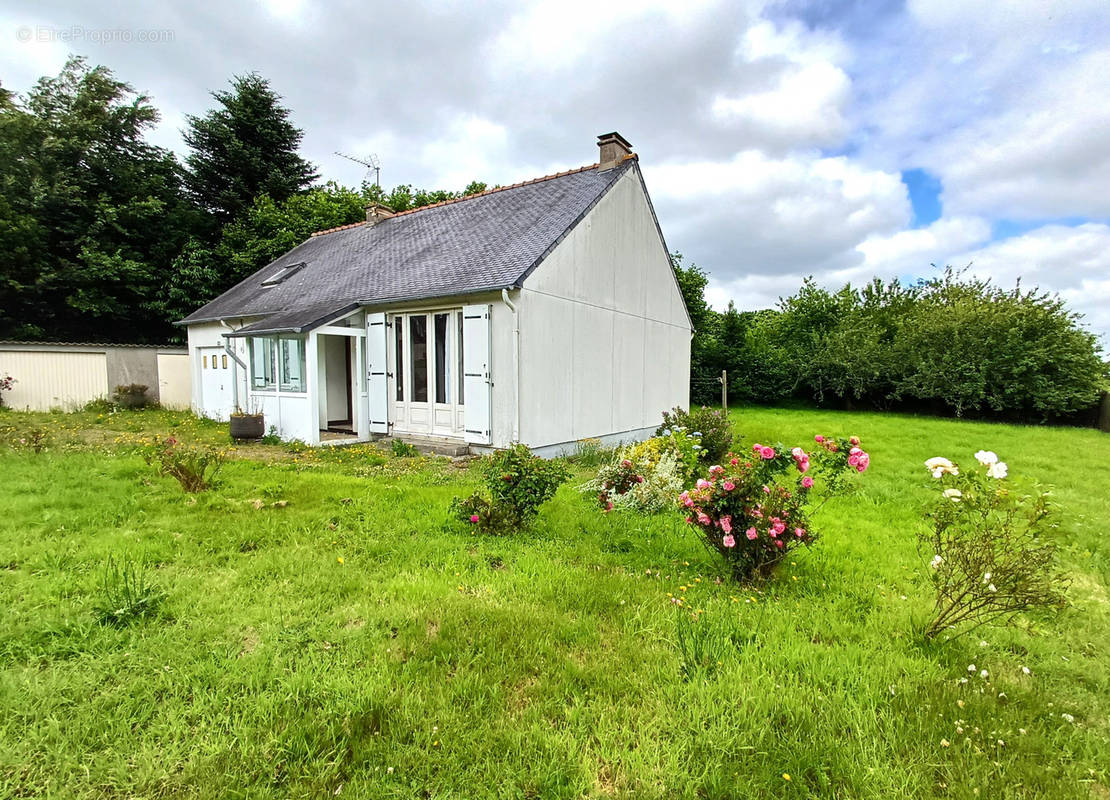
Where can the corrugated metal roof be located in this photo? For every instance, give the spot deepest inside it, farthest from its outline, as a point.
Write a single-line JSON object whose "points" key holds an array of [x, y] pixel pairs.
{"points": [[481, 243]]}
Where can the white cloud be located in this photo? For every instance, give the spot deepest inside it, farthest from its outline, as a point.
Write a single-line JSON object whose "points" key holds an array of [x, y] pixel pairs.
{"points": [[756, 214]]}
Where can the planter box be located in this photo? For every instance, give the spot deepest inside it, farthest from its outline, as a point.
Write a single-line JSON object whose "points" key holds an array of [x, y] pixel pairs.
{"points": [[247, 426]]}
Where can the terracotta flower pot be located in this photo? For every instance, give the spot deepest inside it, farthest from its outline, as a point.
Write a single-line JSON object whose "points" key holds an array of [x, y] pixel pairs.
{"points": [[247, 426]]}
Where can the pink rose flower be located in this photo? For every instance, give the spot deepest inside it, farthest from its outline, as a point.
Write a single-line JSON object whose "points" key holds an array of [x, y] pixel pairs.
{"points": [[757, 449], [855, 451], [704, 519], [853, 460], [757, 513], [803, 466], [778, 544], [684, 496], [626, 464], [729, 486], [728, 541], [473, 517], [864, 462], [766, 490], [854, 440], [799, 532], [807, 482], [726, 524], [734, 461], [703, 483], [780, 526], [767, 452], [716, 469], [818, 438], [751, 533], [688, 502], [798, 453]]}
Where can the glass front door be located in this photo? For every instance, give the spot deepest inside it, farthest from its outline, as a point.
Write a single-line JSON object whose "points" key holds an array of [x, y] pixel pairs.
{"points": [[426, 372]]}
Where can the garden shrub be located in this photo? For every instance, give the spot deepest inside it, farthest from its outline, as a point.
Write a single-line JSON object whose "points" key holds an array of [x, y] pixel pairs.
{"points": [[753, 510], [195, 468], [988, 558], [132, 395], [6, 383], [518, 483], [710, 424], [641, 478], [403, 449]]}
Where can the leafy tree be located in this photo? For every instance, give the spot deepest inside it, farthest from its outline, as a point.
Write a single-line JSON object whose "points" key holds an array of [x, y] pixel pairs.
{"points": [[244, 148], [90, 213]]}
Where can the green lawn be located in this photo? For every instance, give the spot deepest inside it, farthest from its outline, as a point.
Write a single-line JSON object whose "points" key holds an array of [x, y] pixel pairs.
{"points": [[348, 643]]}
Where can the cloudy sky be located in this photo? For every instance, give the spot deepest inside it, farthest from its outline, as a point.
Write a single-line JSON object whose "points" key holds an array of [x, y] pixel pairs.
{"points": [[779, 139]]}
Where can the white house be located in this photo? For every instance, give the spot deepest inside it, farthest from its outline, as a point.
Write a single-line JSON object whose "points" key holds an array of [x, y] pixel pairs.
{"points": [[544, 313]]}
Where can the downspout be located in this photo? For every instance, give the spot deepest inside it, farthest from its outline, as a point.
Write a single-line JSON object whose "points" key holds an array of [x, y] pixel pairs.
{"points": [[235, 362], [516, 364]]}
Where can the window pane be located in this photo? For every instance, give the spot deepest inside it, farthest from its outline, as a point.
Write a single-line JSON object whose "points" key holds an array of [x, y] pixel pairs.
{"points": [[223, 361], [418, 339], [206, 362], [462, 382], [292, 365], [442, 351], [262, 363], [399, 335]]}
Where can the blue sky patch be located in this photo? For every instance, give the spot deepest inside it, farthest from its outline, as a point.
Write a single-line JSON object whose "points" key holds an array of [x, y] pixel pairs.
{"points": [[924, 189]]}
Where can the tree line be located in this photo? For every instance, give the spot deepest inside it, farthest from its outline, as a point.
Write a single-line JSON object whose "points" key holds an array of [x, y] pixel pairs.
{"points": [[950, 344], [106, 237]]}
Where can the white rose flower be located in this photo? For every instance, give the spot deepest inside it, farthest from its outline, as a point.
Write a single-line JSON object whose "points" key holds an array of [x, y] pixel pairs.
{"points": [[998, 470], [936, 562], [986, 457], [939, 466], [953, 494]]}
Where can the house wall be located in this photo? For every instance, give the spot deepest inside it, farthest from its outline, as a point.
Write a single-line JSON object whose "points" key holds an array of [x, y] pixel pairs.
{"points": [[67, 376], [211, 334], [605, 338]]}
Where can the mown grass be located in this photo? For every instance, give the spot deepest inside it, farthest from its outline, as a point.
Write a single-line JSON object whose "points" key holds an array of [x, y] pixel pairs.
{"points": [[348, 642]]}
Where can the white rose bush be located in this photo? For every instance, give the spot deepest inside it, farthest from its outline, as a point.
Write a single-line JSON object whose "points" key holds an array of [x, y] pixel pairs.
{"points": [[986, 551]]}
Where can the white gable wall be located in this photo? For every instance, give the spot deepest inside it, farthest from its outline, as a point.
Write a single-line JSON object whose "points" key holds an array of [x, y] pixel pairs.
{"points": [[605, 339]]}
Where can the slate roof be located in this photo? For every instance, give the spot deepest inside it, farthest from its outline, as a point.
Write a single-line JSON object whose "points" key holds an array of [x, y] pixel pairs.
{"points": [[481, 243]]}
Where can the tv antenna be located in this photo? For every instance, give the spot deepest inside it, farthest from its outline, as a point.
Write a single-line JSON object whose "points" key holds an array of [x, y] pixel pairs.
{"points": [[371, 162]]}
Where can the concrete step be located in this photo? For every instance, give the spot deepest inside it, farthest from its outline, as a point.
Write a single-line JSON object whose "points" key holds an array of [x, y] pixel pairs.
{"points": [[429, 445]]}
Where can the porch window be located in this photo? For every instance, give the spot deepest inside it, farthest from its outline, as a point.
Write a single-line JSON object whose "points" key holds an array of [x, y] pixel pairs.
{"points": [[276, 363], [418, 336], [462, 397], [442, 359], [262, 364], [399, 364], [292, 365]]}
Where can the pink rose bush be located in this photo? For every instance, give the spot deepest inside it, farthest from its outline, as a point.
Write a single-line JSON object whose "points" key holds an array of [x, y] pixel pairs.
{"points": [[752, 509]]}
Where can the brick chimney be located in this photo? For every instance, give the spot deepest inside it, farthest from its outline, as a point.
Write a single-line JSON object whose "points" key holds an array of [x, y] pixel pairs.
{"points": [[376, 212], [614, 148]]}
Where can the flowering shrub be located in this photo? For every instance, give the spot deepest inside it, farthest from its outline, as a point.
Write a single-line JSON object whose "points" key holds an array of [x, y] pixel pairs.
{"points": [[640, 478], [710, 424], [6, 383], [518, 483], [684, 446], [987, 560], [195, 468], [752, 509]]}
